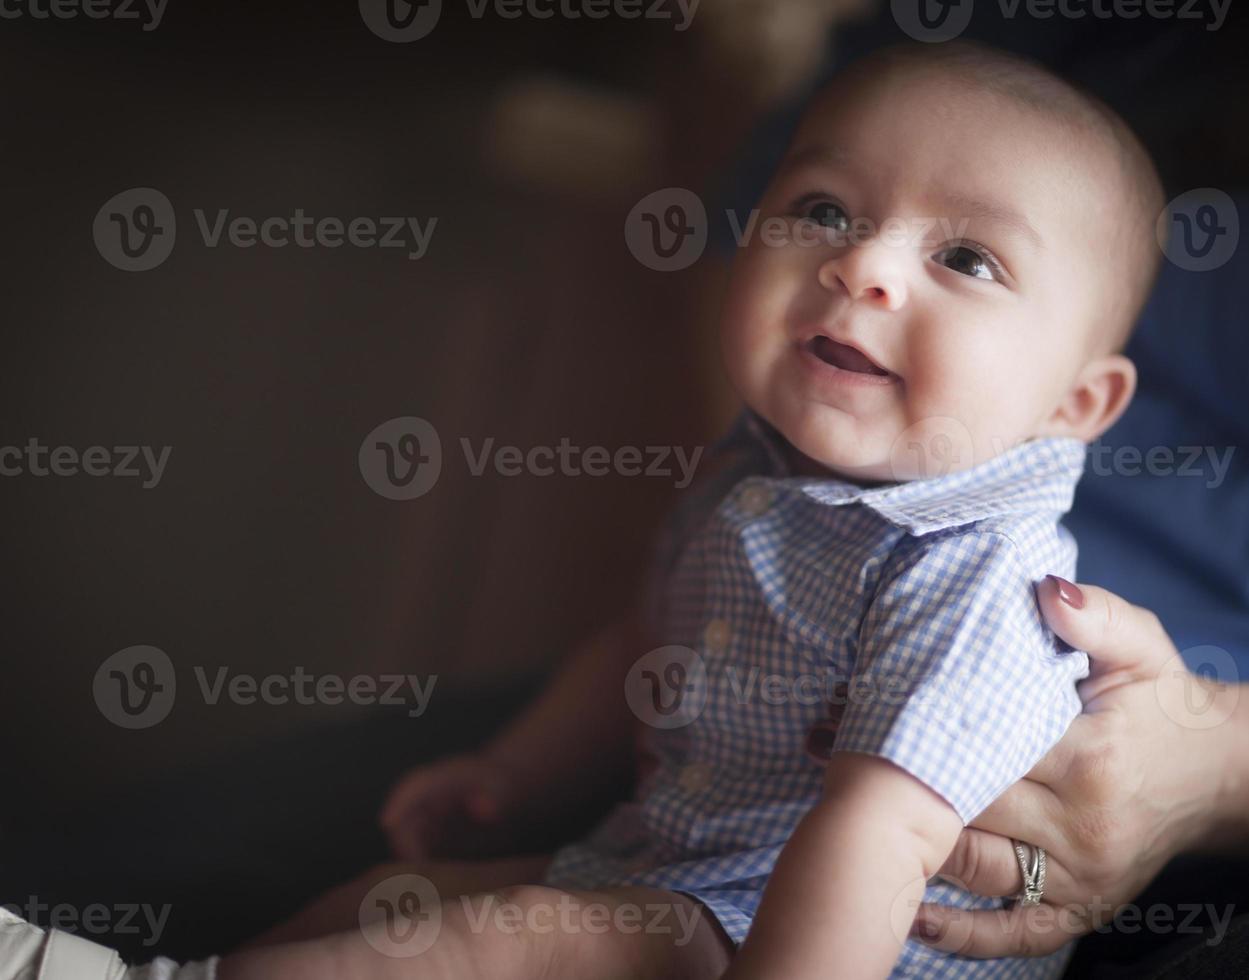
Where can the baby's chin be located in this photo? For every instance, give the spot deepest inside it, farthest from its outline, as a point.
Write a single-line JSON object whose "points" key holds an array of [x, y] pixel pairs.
{"points": [[842, 453], [879, 448], [852, 467]]}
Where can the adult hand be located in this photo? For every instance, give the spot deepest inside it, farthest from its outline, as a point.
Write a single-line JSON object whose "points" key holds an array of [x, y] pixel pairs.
{"points": [[1136, 779]]}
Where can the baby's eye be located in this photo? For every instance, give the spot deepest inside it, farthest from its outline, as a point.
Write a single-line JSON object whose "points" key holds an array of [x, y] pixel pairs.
{"points": [[968, 260], [829, 215]]}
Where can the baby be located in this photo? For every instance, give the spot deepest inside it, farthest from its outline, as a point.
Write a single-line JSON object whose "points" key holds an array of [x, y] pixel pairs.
{"points": [[923, 358]]}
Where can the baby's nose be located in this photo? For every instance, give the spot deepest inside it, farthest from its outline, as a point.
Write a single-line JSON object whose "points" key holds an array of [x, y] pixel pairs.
{"points": [[871, 272]]}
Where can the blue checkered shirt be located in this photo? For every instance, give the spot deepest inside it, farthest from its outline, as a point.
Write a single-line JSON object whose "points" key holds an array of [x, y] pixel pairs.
{"points": [[918, 597]]}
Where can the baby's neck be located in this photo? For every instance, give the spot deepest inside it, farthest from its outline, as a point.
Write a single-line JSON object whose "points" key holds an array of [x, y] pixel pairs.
{"points": [[802, 465]]}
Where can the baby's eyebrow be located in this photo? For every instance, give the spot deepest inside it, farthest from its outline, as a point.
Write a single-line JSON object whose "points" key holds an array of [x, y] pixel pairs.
{"points": [[813, 153], [966, 207]]}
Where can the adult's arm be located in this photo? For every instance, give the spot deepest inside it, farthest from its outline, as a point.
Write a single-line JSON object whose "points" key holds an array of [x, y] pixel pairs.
{"points": [[1158, 765]]}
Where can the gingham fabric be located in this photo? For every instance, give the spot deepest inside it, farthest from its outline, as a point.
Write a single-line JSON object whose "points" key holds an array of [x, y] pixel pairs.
{"points": [[919, 596]]}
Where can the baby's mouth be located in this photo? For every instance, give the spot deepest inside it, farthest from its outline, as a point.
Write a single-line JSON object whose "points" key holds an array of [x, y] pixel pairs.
{"points": [[843, 356]]}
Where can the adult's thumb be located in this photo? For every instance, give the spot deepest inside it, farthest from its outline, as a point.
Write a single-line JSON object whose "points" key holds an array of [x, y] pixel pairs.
{"points": [[1117, 635]]}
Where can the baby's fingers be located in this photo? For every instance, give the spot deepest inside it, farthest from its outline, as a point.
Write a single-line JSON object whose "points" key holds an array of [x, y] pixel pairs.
{"points": [[412, 790], [408, 840]]}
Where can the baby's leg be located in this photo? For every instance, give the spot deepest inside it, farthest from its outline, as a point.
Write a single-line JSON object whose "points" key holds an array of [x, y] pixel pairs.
{"points": [[528, 932], [338, 910]]}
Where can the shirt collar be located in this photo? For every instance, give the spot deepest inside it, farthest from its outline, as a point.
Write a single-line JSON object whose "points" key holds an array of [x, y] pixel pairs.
{"points": [[1037, 476]]}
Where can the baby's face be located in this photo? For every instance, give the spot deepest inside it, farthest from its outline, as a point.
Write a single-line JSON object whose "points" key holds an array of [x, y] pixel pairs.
{"points": [[950, 318]]}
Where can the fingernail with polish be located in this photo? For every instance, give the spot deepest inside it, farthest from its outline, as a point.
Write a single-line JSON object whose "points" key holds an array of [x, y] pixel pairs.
{"points": [[925, 929], [1068, 592]]}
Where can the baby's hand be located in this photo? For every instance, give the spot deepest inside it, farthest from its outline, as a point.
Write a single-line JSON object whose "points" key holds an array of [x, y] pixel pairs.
{"points": [[453, 808]]}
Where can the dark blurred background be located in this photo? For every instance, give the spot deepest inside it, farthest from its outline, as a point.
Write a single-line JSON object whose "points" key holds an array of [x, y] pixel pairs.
{"points": [[263, 548]]}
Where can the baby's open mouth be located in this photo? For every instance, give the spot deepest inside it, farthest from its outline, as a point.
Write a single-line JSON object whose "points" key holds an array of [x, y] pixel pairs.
{"points": [[843, 356]]}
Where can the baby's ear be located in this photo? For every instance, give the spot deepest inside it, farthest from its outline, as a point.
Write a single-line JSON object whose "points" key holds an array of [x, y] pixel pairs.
{"points": [[1099, 396]]}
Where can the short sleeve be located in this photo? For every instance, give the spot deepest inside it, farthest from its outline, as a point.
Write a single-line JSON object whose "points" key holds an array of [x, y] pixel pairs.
{"points": [[957, 680]]}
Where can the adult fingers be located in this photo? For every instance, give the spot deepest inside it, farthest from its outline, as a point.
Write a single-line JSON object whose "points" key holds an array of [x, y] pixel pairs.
{"points": [[1117, 635], [986, 864], [1034, 930]]}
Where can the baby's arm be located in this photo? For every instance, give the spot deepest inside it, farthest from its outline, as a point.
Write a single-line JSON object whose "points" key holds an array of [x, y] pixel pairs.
{"points": [[566, 753], [578, 732], [845, 889]]}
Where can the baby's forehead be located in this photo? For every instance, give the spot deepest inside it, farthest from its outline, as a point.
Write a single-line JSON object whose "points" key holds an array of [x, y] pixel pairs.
{"points": [[944, 131], [937, 104]]}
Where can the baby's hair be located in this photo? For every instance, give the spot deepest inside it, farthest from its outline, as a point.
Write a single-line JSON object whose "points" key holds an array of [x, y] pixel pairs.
{"points": [[1134, 252]]}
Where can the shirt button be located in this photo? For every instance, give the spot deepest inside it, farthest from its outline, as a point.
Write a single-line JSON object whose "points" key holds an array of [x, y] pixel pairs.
{"points": [[695, 777], [716, 635], [754, 500]]}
